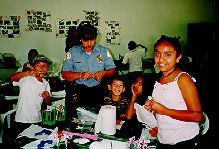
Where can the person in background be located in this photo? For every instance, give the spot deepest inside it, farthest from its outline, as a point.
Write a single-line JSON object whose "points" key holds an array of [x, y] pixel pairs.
{"points": [[87, 65], [175, 100], [134, 59], [34, 91], [31, 55], [116, 97]]}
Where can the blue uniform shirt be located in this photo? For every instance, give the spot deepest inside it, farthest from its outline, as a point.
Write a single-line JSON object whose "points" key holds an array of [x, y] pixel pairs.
{"points": [[77, 60]]}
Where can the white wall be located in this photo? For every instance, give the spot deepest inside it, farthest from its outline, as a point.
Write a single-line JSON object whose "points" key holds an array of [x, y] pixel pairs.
{"points": [[141, 20]]}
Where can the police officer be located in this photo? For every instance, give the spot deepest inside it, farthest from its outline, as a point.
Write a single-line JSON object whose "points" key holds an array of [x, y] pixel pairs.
{"points": [[87, 65]]}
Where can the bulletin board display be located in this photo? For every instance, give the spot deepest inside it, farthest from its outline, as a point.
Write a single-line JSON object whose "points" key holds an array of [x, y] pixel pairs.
{"points": [[63, 25], [92, 17], [38, 21], [113, 30], [10, 26]]}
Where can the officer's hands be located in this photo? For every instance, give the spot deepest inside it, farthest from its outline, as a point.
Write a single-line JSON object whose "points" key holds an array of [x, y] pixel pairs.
{"points": [[99, 75], [87, 75]]}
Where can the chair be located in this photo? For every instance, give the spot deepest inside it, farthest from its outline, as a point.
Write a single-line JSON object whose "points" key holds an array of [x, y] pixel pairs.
{"points": [[204, 125], [6, 116]]}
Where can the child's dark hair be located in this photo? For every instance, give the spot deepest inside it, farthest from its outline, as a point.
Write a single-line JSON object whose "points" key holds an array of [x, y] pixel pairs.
{"points": [[183, 63], [87, 31], [174, 41], [116, 77]]}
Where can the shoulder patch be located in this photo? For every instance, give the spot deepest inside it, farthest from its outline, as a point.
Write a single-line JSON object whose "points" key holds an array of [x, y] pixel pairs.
{"points": [[108, 54], [67, 55]]}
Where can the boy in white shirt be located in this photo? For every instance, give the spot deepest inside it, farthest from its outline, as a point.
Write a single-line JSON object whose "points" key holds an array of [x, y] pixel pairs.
{"points": [[34, 91]]}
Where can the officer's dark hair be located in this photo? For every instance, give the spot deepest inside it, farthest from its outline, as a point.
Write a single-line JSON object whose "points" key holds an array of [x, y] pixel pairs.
{"points": [[87, 31]]}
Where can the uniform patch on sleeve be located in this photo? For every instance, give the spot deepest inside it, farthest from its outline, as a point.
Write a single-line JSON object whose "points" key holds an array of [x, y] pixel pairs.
{"points": [[108, 54], [67, 55]]}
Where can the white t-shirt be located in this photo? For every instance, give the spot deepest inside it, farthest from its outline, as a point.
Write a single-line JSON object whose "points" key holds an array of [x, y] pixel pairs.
{"points": [[134, 58], [30, 100]]}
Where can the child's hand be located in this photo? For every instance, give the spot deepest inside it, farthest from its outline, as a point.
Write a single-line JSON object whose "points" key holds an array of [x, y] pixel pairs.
{"points": [[33, 73], [136, 89], [153, 131], [46, 96], [154, 106]]}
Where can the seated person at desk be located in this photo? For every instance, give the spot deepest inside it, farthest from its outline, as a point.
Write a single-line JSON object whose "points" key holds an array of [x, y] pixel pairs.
{"points": [[124, 106], [87, 65], [34, 91], [116, 97], [31, 55], [132, 127]]}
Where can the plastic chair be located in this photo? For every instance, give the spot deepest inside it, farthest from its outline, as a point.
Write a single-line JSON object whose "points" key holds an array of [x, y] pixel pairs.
{"points": [[6, 116], [204, 125]]}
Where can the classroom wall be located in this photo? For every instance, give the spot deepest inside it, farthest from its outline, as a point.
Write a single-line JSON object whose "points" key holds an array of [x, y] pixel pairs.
{"points": [[140, 20]]}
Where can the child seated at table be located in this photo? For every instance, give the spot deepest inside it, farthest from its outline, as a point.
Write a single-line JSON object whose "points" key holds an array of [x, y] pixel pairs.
{"points": [[34, 92], [116, 96]]}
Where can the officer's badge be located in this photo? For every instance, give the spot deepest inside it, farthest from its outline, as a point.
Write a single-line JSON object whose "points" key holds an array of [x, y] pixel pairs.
{"points": [[67, 55], [99, 59]]}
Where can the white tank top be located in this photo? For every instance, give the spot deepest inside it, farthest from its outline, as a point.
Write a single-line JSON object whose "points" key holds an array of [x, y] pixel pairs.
{"points": [[172, 131]]}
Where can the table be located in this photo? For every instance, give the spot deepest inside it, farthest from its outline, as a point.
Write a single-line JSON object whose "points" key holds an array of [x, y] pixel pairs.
{"points": [[104, 140], [95, 140]]}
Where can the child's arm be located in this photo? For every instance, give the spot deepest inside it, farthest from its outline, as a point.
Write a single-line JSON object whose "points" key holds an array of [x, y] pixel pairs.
{"points": [[18, 75], [131, 111], [136, 91]]}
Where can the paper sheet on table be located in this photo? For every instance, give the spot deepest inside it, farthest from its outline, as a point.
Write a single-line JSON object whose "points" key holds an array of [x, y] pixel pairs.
{"points": [[145, 116], [34, 145], [33, 129]]}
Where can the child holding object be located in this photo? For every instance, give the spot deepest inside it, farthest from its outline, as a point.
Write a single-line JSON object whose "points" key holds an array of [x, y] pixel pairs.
{"points": [[34, 91], [175, 101]]}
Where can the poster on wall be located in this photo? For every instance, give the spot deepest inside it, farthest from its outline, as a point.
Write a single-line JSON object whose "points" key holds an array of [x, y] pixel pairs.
{"points": [[10, 26], [63, 25], [38, 21], [112, 32], [92, 17]]}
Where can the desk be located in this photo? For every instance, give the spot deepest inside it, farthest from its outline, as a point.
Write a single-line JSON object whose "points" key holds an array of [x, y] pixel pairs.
{"points": [[105, 141], [115, 140], [94, 142]]}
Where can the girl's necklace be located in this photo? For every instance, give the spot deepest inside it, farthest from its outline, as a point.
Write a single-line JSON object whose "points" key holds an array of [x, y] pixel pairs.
{"points": [[169, 74]]}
